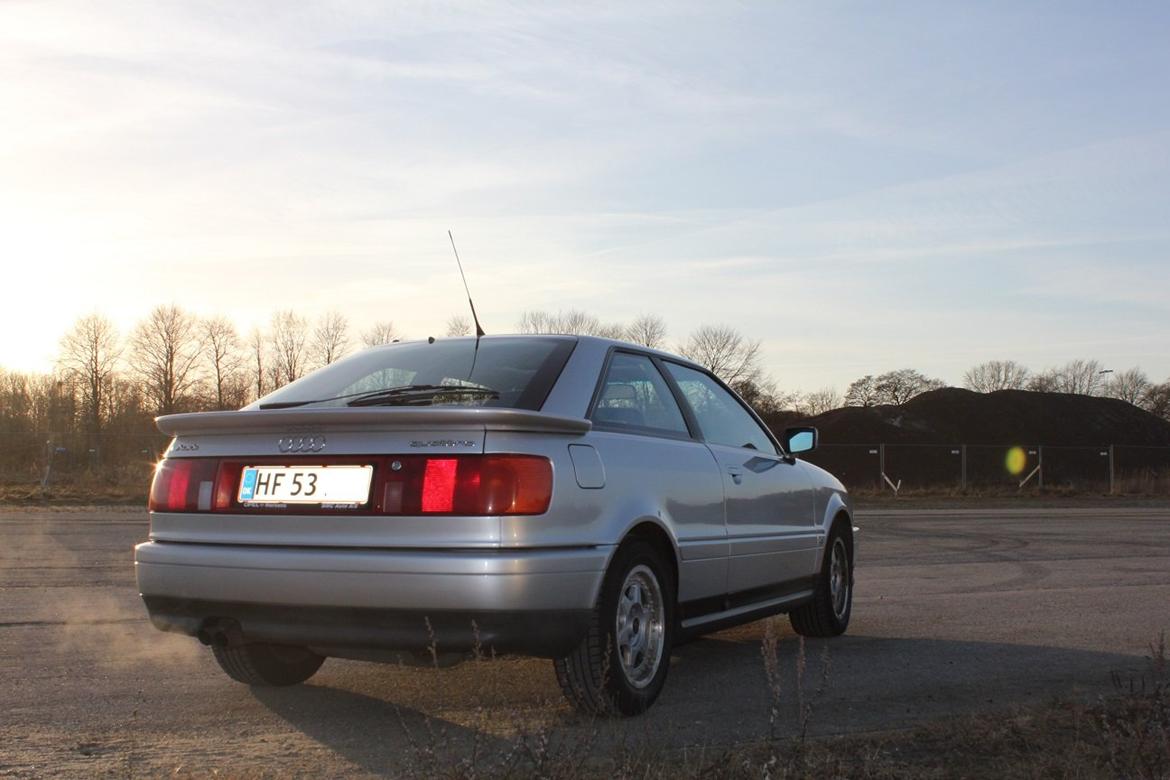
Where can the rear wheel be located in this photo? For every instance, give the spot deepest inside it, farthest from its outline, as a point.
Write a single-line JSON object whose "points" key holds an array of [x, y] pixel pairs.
{"points": [[620, 667], [267, 665], [832, 603]]}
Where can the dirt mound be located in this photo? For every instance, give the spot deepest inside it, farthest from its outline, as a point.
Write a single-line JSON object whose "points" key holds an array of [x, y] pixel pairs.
{"points": [[953, 415]]}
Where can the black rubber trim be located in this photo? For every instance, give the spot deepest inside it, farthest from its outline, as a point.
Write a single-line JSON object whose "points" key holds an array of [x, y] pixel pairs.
{"points": [[713, 605], [658, 433], [780, 451], [543, 633]]}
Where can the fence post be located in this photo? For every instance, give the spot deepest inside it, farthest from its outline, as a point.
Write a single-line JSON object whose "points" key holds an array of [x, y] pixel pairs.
{"points": [[48, 464], [1040, 465], [963, 477], [881, 466], [1110, 469]]}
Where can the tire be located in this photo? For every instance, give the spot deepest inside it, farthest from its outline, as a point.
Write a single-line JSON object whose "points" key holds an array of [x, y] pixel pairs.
{"points": [[832, 603], [612, 673], [268, 665]]}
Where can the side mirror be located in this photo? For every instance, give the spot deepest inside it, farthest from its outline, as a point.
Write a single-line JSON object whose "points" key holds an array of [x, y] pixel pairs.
{"points": [[803, 439]]}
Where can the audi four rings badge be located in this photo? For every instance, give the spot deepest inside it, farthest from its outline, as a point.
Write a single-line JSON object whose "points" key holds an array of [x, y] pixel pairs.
{"points": [[300, 443]]}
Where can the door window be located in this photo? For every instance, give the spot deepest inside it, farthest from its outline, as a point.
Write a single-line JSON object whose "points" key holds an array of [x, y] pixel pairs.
{"points": [[636, 397], [721, 417]]}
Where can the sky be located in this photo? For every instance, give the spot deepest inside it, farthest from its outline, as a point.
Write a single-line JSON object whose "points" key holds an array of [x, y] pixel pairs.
{"points": [[861, 186]]}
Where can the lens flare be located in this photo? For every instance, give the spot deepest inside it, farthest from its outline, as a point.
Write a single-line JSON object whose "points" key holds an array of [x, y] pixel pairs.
{"points": [[1016, 461]]}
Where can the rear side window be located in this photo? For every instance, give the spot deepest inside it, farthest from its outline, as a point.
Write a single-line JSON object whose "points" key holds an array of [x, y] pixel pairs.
{"points": [[634, 396], [721, 417]]}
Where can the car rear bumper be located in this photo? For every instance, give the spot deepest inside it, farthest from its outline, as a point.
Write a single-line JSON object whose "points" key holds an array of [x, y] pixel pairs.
{"points": [[531, 601]]}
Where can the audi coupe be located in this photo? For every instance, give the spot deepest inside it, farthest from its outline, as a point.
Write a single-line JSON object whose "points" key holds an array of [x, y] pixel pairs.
{"points": [[576, 498]]}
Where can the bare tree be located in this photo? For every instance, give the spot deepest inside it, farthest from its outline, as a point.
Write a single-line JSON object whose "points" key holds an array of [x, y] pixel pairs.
{"points": [[129, 410], [1156, 400], [892, 387], [649, 330], [274, 375], [762, 393], [15, 401], [725, 352], [1130, 385], [1044, 382], [1081, 377], [164, 354], [611, 330], [330, 338], [258, 349], [996, 375], [569, 321], [290, 334], [458, 325], [862, 392], [536, 322], [820, 401], [89, 356], [898, 387], [221, 353], [380, 333]]}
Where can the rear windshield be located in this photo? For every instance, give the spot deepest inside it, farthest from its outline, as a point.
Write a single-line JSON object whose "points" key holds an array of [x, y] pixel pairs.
{"points": [[521, 370]]}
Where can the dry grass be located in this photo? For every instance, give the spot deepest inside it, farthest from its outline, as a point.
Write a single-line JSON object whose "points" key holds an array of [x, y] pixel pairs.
{"points": [[89, 493], [1126, 735]]}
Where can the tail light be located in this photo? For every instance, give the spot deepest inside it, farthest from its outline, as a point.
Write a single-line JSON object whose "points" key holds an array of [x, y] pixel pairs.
{"points": [[467, 485], [472, 485], [183, 485]]}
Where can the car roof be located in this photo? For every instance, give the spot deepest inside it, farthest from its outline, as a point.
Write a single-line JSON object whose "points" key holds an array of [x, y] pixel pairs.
{"points": [[597, 341]]}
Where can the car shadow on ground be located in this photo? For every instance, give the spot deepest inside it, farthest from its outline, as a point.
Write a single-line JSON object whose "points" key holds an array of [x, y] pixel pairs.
{"points": [[378, 735], [719, 687], [718, 693]]}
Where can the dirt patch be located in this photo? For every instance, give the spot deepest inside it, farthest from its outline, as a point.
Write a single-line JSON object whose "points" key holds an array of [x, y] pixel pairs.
{"points": [[953, 416]]}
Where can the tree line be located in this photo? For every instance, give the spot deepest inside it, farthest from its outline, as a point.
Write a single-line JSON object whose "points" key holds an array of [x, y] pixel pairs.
{"points": [[107, 385], [1079, 377]]}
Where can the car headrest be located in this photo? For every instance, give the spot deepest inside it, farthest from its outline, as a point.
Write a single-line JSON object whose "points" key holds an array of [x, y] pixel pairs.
{"points": [[617, 392]]}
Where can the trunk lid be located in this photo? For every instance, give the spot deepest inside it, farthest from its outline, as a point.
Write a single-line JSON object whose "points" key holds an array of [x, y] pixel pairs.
{"points": [[356, 431], [352, 435]]}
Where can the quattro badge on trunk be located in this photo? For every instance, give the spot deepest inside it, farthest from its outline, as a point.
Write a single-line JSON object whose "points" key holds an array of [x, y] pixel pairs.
{"points": [[443, 443]]}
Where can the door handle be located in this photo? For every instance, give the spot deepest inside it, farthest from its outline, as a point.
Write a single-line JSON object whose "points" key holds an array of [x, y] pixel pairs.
{"points": [[736, 474]]}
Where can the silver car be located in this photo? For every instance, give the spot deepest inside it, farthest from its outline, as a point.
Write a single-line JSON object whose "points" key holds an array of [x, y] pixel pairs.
{"points": [[575, 498]]}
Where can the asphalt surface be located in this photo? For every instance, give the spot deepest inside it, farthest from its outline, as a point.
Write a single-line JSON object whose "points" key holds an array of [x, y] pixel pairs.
{"points": [[956, 611]]}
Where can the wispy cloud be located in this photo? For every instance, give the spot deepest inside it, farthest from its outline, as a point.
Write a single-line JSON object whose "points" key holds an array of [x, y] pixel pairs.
{"points": [[856, 188]]}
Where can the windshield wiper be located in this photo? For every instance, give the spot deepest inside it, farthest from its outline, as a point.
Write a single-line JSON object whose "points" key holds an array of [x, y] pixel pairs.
{"points": [[412, 395], [377, 394]]}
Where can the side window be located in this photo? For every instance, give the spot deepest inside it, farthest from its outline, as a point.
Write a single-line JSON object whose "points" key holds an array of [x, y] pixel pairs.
{"points": [[635, 396], [722, 418]]}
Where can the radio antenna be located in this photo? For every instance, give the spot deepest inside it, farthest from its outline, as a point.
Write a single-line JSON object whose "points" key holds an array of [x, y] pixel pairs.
{"points": [[478, 330]]}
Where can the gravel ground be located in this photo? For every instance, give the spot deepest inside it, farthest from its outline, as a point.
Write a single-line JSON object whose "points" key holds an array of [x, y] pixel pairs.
{"points": [[957, 611]]}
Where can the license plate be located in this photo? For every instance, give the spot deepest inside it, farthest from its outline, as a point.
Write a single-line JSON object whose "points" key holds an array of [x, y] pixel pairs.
{"points": [[305, 485]]}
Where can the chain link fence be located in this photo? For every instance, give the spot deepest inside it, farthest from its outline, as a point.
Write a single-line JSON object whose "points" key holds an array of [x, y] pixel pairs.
{"points": [[127, 459], [78, 458], [980, 467]]}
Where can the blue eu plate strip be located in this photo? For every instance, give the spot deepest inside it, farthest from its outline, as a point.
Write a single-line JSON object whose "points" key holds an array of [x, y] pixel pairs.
{"points": [[248, 485]]}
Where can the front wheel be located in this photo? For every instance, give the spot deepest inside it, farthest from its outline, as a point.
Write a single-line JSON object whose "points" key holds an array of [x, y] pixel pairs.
{"points": [[620, 667], [264, 664], [832, 603]]}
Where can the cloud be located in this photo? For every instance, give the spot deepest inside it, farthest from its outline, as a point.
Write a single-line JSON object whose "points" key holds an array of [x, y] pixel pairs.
{"points": [[799, 173]]}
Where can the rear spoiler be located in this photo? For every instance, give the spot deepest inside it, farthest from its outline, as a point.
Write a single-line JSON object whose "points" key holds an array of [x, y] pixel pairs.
{"points": [[370, 418]]}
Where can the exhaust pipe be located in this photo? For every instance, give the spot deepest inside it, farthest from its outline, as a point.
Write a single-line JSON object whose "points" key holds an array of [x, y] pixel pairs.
{"points": [[219, 633]]}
